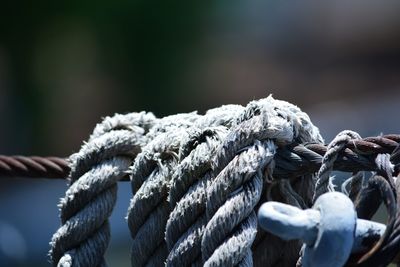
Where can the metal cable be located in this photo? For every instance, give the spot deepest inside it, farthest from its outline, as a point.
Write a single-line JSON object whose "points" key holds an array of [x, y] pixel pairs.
{"points": [[291, 161], [33, 167]]}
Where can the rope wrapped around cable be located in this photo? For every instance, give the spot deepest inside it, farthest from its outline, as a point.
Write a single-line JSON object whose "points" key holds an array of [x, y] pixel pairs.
{"points": [[368, 194], [187, 197], [149, 210], [268, 123], [241, 165], [197, 181], [151, 175]]}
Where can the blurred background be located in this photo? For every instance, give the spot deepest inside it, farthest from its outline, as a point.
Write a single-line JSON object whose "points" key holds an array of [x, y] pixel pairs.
{"points": [[64, 66]]}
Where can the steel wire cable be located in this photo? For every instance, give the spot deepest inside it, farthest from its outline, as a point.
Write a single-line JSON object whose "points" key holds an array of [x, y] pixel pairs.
{"points": [[291, 161]]}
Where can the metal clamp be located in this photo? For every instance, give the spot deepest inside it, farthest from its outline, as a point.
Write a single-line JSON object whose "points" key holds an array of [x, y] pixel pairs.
{"points": [[330, 230]]}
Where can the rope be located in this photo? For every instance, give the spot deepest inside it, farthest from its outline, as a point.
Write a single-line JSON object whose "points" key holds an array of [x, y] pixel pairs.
{"points": [[324, 181], [187, 197], [150, 176], [152, 192], [246, 151], [197, 181], [381, 188], [147, 230], [84, 234]]}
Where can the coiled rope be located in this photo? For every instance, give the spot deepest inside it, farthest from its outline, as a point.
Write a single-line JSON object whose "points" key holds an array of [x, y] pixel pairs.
{"points": [[95, 169], [197, 181], [227, 229]]}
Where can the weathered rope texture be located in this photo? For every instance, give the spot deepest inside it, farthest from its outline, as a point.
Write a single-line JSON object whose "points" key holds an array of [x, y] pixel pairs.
{"points": [[241, 165], [197, 181], [324, 182], [95, 169], [151, 176]]}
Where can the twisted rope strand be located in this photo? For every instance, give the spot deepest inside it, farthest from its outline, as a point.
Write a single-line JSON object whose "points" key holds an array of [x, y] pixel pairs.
{"points": [[264, 120], [143, 163], [95, 169], [151, 196], [232, 254], [187, 198], [324, 183], [195, 154]]}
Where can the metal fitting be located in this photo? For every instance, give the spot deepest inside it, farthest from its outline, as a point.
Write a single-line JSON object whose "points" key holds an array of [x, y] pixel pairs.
{"points": [[330, 230]]}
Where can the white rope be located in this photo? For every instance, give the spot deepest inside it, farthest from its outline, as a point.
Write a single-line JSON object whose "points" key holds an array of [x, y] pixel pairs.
{"points": [[196, 181], [84, 234], [338, 144]]}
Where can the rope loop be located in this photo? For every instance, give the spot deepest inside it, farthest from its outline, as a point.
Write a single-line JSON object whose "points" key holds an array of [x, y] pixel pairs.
{"points": [[239, 169], [85, 233], [198, 180], [338, 144]]}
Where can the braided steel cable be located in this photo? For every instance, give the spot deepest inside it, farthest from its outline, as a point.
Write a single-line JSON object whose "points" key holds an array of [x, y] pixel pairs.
{"points": [[291, 161], [33, 167]]}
